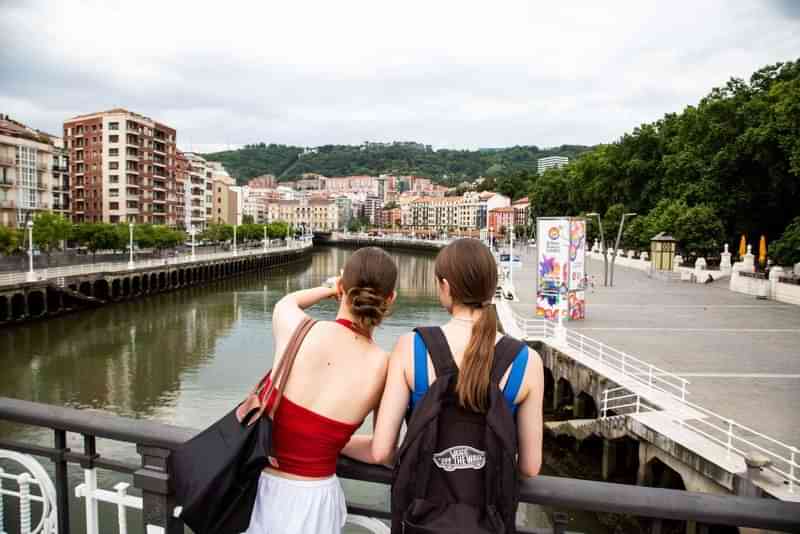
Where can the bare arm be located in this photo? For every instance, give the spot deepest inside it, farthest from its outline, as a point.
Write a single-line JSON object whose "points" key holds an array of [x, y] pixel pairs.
{"points": [[529, 419], [381, 446], [288, 312]]}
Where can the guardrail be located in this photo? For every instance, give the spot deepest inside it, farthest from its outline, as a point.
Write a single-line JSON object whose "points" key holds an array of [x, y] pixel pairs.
{"points": [[121, 266], [155, 441], [733, 436], [622, 401]]}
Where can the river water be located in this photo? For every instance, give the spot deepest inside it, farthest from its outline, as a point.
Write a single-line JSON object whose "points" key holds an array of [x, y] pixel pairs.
{"points": [[185, 358]]}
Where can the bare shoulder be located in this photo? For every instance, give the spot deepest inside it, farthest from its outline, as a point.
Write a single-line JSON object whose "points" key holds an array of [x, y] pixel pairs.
{"points": [[534, 372]]}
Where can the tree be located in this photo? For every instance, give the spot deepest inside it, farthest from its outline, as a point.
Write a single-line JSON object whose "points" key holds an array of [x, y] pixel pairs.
{"points": [[248, 219], [49, 231], [699, 230], [96, 236], [786, 250], [9, 240]]}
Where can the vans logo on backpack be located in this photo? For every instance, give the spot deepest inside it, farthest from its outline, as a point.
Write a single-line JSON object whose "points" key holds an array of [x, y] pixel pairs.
{"points": [[460, 457]]}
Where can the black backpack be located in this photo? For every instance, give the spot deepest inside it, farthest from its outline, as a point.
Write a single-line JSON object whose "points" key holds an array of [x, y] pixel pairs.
{"points": [[456, 470]]}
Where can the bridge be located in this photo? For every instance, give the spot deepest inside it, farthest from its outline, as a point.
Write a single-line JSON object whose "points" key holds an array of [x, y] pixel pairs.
{"points": [[665, 371]]}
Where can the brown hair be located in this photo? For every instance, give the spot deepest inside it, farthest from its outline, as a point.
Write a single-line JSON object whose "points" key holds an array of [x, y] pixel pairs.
{"points": [[368, 279], [471, 272]]}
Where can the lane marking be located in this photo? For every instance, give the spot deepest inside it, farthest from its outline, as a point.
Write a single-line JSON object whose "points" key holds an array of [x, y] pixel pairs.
{"points": [[739, 375], [665, 329]]}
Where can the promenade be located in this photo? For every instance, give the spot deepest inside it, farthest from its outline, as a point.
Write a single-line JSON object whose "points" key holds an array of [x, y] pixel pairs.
{"points": [[741, 355]]}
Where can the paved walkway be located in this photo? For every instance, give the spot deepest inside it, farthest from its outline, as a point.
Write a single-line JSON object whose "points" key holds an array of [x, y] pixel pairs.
{"points": [[741, 355]]}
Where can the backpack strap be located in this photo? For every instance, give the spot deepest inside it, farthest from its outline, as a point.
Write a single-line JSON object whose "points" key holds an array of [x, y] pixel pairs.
{"points": [[420, 368], [439, 350], [505, 352]]}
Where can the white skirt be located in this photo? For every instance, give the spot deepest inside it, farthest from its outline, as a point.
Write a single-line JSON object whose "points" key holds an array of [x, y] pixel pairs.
{"points": [[286, 506]]}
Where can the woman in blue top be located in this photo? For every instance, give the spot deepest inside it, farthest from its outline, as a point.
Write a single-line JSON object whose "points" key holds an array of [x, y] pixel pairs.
{"points": [[466, 273]]}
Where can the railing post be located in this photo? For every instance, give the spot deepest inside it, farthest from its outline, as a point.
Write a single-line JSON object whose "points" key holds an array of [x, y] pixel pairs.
{"points": [[158, 501], [90, 479], [650, 375], [24, 481], [605, 404], [623, 363], [61, 482], [122, 518], [730, 437], [638, 405], [791, 469]]}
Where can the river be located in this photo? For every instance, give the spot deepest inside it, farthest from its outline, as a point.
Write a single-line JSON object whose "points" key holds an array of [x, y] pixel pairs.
{"points": [[186, 357]]}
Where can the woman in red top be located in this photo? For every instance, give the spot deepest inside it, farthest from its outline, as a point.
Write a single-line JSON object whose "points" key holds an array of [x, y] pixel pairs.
{"points": [[337, 379]]}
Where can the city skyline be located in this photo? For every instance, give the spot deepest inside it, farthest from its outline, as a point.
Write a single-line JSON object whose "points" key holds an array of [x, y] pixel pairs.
{"points": [[512, 76]]}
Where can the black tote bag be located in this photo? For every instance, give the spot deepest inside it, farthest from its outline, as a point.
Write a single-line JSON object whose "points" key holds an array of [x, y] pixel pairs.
{"points": [[215, 474]]}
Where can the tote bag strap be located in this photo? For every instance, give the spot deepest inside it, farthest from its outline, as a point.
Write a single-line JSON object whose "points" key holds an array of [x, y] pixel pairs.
{"points": [[280, 373]]}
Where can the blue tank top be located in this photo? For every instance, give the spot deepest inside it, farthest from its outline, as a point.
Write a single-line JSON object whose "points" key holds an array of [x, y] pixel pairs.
{"points": [[510, 390]]}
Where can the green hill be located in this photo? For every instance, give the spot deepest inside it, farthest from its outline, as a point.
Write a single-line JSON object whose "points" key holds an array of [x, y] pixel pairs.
{"points": [[444, 166]]}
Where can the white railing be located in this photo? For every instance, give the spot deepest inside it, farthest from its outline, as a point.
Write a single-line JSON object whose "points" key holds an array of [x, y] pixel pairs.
{"points": [[120, 266], [622, 401], [33, 475], [630, 366], [734, 437]]}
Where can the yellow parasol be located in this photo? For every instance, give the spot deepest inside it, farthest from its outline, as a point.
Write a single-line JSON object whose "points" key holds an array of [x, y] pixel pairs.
{"points": [[762, 251], [742, 247]]}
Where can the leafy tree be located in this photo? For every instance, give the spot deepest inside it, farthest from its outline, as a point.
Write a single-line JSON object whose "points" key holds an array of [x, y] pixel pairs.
{"points": [[277, 229], [248, 219], [9, 240], [786, 250], [49, 231], [96, 236], [699, 230]]}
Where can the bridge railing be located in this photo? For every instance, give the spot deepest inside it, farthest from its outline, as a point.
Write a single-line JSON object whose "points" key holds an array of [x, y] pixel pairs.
{"points": [[734, 437], [121, 266], [154, 441]]}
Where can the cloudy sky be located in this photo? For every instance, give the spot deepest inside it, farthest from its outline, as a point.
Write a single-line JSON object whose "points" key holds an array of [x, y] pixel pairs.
{"points": [[449, 73]]}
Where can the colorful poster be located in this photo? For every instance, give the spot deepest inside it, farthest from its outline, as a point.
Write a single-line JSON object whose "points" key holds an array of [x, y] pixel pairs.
{"points": [[561, 263]]}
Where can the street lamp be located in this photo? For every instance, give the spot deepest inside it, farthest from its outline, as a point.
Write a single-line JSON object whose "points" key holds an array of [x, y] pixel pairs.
{"points": [[235, 224], [265, 238], [616, 245], [31, 276], [602, 246], [194, 231], [131, 265]]}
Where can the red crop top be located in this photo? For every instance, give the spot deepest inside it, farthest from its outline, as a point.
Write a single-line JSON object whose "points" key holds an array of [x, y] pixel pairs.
{"points": [[305, 443]]}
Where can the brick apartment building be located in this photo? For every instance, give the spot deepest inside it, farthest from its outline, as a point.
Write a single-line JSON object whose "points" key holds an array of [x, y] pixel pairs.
{"points": [[123, 168]]}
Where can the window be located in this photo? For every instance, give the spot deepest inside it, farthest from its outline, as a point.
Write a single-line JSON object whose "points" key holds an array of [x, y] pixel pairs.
{"points": [[113, 126], [113, 139], [113, 205], [113, 165], [113, 152], [113, 192], [113, 178]]}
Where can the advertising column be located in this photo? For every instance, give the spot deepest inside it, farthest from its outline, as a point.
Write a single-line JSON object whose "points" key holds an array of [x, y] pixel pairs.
{"points": [[561, 253]]}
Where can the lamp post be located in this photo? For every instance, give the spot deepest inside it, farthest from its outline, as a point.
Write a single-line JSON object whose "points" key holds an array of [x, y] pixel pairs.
{"points": [[131, 264], [235, 224], [616, 245], [194, 232], [31, 276], [265, 238], [602, 246]]}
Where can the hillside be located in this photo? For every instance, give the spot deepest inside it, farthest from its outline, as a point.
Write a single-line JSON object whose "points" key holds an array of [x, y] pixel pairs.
{"points": [[444, 166]]}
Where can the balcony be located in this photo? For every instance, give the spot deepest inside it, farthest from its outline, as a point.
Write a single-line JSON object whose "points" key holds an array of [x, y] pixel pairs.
{"points": [[40, 185], [6, 182], [7, 161], [7, 204]]}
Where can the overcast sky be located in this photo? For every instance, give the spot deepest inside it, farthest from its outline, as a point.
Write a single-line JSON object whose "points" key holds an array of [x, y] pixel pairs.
{"points": [[457, 74]]}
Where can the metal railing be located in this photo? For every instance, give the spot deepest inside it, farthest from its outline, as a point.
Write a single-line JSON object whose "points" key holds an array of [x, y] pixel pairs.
{"points": [[120, 266], [734, 437], [154, 441], [622, 401]]}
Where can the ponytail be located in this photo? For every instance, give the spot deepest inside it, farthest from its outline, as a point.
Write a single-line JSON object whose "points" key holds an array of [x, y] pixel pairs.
{"points": [[474, 377]]}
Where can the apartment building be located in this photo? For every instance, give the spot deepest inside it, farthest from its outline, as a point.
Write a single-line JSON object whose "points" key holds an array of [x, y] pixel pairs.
{"points": [[60, 184], [26, 172], [522, 210], [123, 168], [221, 182], [324, 215], [200, 184], [501, 219], [344, 207], [551, 162], [372, 207], [390, 217], [183, 194], [265, 181]]}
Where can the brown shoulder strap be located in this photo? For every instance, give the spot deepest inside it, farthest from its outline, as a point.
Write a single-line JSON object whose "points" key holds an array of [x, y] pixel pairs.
{"points": [[280, 373]]}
